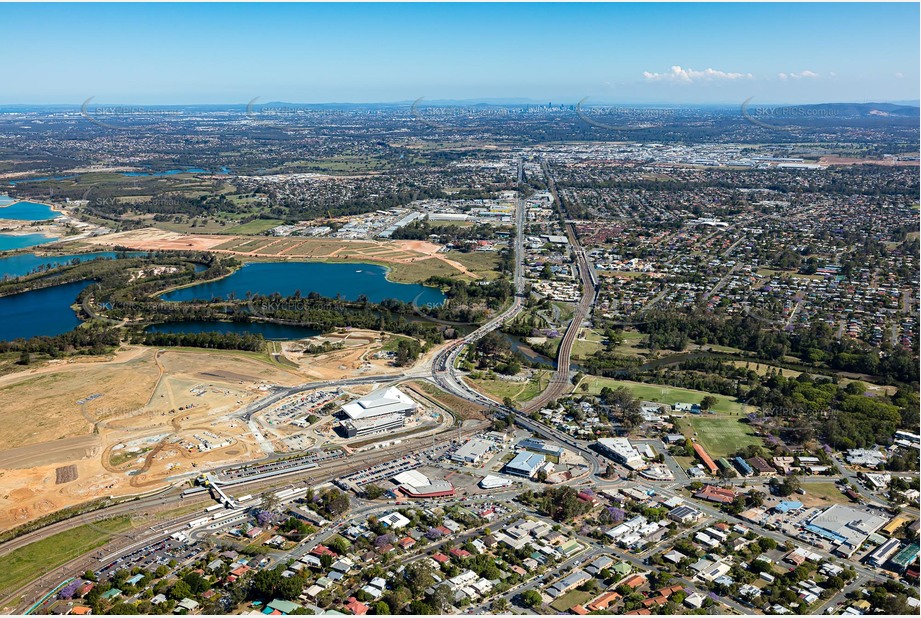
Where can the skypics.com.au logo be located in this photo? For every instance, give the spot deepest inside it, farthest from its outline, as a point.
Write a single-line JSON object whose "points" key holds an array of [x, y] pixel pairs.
{"points": [[779, 118], [619, 118], [125, 117]]}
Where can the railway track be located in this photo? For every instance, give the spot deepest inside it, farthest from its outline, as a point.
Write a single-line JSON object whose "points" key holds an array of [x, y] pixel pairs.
{"points": [[559, 384]]}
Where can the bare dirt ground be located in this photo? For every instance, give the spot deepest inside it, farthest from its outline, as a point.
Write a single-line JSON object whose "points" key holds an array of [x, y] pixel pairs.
{"points": [[393, 252], [131, 437], [144, 428], [152, 239], [358, 355]]}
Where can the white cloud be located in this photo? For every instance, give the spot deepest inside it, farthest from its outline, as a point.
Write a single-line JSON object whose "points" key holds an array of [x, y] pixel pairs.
{"points": [[807, 74], [686, 76], [899, 75]]}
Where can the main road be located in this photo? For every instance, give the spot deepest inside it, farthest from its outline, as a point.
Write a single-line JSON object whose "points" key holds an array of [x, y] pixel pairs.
{"points": [[560, 382], [444, 365]]}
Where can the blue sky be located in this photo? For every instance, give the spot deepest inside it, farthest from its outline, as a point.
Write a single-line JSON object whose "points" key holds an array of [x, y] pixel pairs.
{"points": [[316, 53]]}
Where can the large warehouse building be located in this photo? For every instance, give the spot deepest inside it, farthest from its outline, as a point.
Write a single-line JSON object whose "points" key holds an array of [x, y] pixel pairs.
{"points": [[414, 484], [845, 527]]}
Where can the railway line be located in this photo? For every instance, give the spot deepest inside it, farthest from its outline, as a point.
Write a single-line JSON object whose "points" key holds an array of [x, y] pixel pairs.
{"points": [[560, 382]]}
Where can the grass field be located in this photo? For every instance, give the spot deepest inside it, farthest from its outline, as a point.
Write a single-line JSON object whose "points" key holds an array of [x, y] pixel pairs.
{"points": [[393, 342], [762, 368], [566, 310], [518, 391], [419, 271], [26, 563], [256, 226], [719, 435], [571, 599], [633, 344], [588, 343], [665, 394], [826, 492], [483, 263]]}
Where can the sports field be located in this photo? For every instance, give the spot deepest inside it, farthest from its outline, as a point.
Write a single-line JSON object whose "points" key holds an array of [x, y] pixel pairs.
{"points": [[665, 394], [719, 435]]}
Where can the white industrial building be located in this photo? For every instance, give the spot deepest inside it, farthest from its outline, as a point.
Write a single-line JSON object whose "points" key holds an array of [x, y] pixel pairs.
{"points": [[472, 451], [381, 402], [621, 451], [490, 481], [525, 464]]}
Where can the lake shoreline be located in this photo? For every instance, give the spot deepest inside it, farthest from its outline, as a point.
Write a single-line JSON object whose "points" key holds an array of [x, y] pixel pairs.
{"points": [[245, 263]]}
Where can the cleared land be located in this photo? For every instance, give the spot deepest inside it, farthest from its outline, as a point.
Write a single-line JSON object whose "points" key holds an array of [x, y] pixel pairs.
{"points": [[464, 409], [148, 408], [571, 599], [410, 261], [819, 494]]}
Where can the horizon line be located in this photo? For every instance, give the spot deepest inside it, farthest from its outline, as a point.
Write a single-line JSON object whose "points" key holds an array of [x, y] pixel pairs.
{"points": [[490, 101]]}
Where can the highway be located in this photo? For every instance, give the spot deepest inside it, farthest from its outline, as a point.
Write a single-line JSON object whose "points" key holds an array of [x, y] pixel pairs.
{"points": [[560, 382], [444, 366]]}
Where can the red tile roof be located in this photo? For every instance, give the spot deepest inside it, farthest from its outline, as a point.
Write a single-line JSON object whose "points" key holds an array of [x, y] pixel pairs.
{"points": [[716, 494], [323, 550], [634, 581], [356, 607]]}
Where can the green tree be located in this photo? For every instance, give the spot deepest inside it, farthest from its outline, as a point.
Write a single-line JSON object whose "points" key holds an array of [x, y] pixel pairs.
{"points": [[531, 598]]}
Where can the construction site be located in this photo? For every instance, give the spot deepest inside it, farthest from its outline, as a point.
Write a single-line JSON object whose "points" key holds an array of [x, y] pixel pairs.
{"points": [[141, 419]]}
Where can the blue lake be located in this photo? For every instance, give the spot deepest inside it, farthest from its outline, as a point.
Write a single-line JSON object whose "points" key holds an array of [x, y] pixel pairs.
{"points": [[8, 242], [40, 312], [328, 280], [27, 211], [43, 179], [25, 263], [275, 332]]}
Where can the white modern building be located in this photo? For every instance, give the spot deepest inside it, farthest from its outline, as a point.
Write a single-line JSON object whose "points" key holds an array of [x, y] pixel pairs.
{"points": [[381, 402], [525, 464], [490, 481], [374, 424], [621, 451]]}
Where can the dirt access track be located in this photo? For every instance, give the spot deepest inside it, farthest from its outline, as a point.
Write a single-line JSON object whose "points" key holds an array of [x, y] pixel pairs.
{"points": [[282, 248]]}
